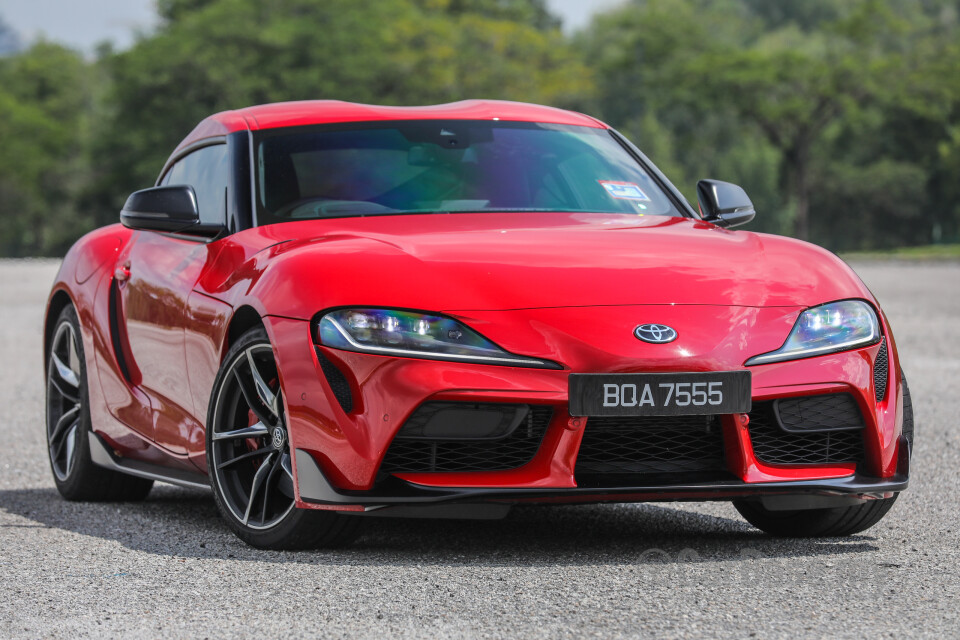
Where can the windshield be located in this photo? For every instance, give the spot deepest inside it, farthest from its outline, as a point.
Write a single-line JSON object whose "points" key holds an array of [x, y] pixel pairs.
{"points": [[433, 166]]}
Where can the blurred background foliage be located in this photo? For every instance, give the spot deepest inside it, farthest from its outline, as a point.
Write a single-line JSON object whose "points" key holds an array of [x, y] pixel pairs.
{"points": [[841, 118]]}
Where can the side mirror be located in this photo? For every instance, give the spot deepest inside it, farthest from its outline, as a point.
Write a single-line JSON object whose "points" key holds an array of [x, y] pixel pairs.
{"points": [[724, 204], [172, 209]]}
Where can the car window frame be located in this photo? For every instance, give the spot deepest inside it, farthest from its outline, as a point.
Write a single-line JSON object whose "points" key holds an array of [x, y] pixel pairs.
{"points": [[675, 197], [190, 150]]}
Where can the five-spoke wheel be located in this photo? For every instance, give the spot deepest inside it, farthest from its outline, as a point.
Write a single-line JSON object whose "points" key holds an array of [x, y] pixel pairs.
{"points": [[248, 455], [68, 423], [64, 407]]}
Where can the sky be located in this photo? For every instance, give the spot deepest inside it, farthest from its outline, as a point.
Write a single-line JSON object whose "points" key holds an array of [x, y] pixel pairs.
{"points": [[82, 24]]}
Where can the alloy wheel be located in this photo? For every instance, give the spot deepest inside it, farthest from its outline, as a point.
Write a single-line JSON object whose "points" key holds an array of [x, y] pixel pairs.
{"points": [[64, 405], [250, 452]]}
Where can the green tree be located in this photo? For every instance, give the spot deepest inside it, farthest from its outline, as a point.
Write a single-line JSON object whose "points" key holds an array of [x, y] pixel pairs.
{"points": [[43, 105], [796, 90]]}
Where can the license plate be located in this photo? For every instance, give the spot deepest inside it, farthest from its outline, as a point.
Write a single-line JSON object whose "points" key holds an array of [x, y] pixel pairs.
{"points": [[659, 394]]}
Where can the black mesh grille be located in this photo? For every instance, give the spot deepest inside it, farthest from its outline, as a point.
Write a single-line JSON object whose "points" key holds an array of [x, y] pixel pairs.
{"points": [[773, 445], [648, 445], [880, 372], [337, 381], [824, 412], [510, 452]]}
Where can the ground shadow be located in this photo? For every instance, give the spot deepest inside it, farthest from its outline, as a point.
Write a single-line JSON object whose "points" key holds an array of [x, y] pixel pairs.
{"points": [[183, 523]]}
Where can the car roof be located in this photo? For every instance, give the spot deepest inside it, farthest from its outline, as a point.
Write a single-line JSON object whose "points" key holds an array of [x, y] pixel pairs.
{"points": [[308, 112]]}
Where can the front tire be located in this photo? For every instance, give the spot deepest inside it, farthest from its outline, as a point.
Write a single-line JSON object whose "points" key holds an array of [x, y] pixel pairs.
{"points": [[249, 460], [68, 424], [815, 523], [838, 521]]}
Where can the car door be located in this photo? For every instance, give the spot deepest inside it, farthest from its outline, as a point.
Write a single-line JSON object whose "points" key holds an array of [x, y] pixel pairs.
{"points": [[156, 274]]}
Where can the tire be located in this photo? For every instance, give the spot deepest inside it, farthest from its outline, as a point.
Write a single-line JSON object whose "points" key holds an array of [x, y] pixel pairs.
{"points": [[68, 424], [835, 522], [248, 457], [815, 523]]}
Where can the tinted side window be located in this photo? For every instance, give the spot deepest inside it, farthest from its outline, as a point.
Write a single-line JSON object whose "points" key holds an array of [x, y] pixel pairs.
{"points": [[206, 170]]}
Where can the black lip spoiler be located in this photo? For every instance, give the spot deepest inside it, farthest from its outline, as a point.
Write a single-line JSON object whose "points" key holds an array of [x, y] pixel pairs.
{"points": [[315, 489]]}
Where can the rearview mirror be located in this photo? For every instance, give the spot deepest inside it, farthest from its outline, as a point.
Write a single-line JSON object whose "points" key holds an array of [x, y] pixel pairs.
{"points": [[724, 204], [172, 209]]}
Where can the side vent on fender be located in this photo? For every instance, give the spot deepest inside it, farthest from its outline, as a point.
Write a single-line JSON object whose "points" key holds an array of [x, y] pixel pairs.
{"points": [[116, 338]]}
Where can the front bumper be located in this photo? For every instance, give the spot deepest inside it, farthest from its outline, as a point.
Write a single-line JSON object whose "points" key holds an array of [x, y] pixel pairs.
{"points": [[316, 492], [346, 446]]}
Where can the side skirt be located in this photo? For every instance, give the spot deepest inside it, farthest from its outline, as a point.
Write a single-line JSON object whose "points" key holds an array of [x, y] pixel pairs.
{"points": [[101, 455]]}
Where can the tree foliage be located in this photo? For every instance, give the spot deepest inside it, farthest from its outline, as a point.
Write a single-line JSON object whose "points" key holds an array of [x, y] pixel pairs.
{"points": [[841, 118]]}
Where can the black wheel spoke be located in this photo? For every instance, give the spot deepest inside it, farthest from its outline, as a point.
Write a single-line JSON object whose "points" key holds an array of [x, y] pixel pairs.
{"points": [[65, 373], [285, 483], [266, 490], [254, 431], [70, 396], [62, 442], [253, 400], [68, 418], [258, 479], [267, 397], [246, 456]]}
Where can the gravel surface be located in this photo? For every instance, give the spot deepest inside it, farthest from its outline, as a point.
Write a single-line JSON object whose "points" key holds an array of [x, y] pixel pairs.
{"points": [[169, 567]]}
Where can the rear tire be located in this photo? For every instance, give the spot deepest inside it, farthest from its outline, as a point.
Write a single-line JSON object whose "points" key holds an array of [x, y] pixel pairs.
{"points": [[68, 424], [248, 457], [815, 523]]}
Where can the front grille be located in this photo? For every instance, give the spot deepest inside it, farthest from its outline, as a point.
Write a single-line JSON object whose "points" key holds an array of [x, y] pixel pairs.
{"points": [[417, 455], [773, 445], [651, 445], [880, 366]]}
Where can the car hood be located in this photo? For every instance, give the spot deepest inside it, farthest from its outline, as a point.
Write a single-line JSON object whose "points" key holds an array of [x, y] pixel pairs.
{"points": [[501, 261]]}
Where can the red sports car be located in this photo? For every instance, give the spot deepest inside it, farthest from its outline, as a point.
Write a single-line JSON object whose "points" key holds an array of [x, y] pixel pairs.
{"points": [[329, 311]]}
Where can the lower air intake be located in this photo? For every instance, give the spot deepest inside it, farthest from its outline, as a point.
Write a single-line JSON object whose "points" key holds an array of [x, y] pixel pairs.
{"points": [[810, 440], [462, 436], [651, 445]]}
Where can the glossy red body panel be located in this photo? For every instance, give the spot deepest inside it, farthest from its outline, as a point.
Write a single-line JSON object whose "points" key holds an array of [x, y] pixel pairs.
{"points": [[563, 287], [311, 112]]}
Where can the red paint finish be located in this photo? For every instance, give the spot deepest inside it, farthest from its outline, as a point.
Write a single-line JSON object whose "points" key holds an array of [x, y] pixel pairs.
{"points": [[566, 287], [311, 112]]}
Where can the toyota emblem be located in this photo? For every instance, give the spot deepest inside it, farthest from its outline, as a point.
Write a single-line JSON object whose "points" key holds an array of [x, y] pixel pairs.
{"points": [[655, 333]]}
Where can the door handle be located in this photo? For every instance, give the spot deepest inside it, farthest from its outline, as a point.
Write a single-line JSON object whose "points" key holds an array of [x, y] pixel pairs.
{"points": [[122, 273]]}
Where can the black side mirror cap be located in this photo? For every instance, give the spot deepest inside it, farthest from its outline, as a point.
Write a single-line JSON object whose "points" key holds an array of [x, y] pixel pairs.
{"points": [[724, 204], [172, 209]]}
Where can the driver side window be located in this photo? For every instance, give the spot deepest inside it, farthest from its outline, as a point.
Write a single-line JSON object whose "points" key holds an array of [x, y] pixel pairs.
{"points": [[207, 171]]}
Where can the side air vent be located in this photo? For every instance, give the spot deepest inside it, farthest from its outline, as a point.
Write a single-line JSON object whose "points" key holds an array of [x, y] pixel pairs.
{"points": [[880, 373], [337, 381], [116, 337]]}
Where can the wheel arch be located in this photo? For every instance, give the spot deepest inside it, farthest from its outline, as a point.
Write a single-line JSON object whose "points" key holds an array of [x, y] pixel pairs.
{"points": [[243, 319], [58, 302]]}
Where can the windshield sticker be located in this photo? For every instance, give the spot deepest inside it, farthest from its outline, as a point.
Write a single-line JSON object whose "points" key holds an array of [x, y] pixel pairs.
{"points": [[624, 190]]}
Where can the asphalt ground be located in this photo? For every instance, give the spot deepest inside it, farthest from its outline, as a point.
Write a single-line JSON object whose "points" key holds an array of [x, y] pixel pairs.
{"points": [[169, 567]]}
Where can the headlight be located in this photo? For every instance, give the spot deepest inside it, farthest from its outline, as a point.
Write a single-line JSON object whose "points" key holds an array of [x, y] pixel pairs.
{"points": [[414, 335], [837, 326]]}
